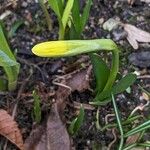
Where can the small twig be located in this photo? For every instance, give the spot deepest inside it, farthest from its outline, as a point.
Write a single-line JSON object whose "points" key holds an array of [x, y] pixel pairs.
{"points": [[107, 116], [77, 105], [140, 107], [61, 84]]}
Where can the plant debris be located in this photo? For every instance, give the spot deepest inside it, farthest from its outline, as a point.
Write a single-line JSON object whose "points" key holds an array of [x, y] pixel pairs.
{"points": [[136, 35], [10, 130], [52, 134]]}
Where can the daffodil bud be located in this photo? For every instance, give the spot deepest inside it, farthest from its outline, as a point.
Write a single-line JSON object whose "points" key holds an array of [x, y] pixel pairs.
{"points": [[72, 47]]}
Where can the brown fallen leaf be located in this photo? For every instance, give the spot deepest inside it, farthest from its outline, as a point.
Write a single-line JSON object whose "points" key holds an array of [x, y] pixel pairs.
{"points": [[132, 139], [52, 135], [136, 35], [80, 80], [9, 129]]}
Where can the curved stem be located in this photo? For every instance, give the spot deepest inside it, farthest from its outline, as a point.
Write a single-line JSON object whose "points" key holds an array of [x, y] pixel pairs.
{"points": [[113, 72]]}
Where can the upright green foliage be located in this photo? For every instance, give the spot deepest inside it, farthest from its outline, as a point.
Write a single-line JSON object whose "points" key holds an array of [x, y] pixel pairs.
{"points": [[101, 72], [77, 122], [8, 62], [104, 97], [56, 6], [79, 20], [36, 107], [63, 11], [67, 12], [119, 123]]}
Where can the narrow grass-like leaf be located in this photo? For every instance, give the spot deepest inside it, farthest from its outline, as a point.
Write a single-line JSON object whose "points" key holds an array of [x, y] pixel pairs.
{"points": [[76, 16], [101, 71], [61, 6], [67, 12], [129, 147], [55, 7], [85, 14], [139, 128], [77, 122], [37, 107], [119, 124], [146, 144]]}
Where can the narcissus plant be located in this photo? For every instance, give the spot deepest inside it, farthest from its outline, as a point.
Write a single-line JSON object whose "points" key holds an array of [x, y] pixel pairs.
{"points": [[105, 77]]}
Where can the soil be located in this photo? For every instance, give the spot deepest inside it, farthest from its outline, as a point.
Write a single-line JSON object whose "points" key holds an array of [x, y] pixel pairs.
{"points": [[38, 73]]}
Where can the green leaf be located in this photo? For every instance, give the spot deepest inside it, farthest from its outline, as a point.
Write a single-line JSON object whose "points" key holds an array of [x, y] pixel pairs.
{"points": [[124, 83], [55, 7], [4, 44], [77, 122], [67, 12], [8, 61], [101, 72], [104, 97], [117, 114], [85, 14], [139, 128], [76, 16]]}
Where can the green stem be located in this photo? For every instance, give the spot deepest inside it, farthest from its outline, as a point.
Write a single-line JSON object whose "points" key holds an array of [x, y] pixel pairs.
{"points": [[61, 31], [48, 19], [113, 72], [119, 124]]}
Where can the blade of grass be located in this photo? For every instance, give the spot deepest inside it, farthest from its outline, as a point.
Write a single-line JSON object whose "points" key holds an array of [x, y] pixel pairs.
{"points": [[85, 15], [77, 122], [55, 7], [139, 128], [119, 124], [129, 147], [37, 107], [76, 16]]}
